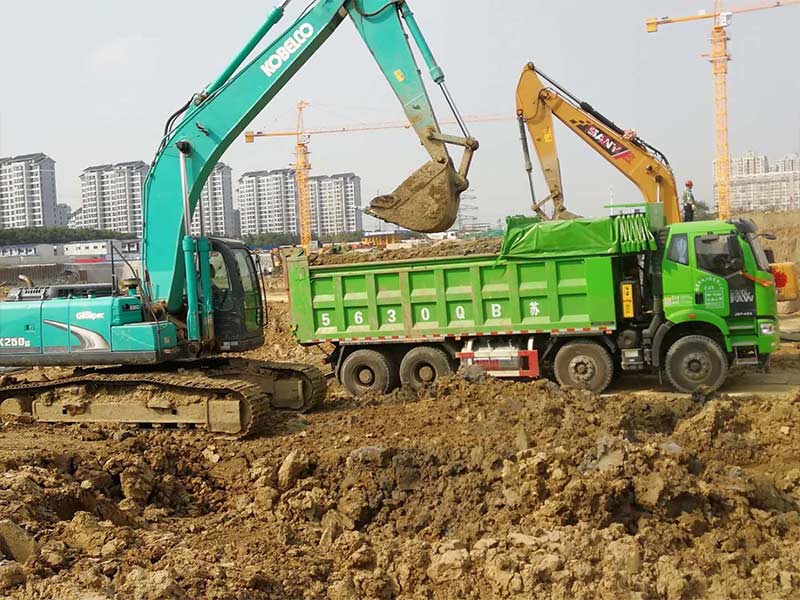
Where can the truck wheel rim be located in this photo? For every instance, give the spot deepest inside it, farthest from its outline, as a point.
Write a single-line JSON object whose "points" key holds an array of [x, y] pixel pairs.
{"points": [[696, 366], [582, 369], [426, 373], [365, 376]]}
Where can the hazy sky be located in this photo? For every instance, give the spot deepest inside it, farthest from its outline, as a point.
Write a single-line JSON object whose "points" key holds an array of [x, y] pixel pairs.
{"points": [[92, 81]]}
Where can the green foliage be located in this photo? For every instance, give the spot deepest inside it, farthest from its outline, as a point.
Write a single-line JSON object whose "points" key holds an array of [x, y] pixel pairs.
{"points": [[57, 235], [271, 240], [702, 212]]}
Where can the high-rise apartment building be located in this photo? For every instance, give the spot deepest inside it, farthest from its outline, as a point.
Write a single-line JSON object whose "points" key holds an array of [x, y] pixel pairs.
{"points": [[268, 203], [335, 204], [111, 196], [757, 185], [216, 205], [63, 213], [27, 191]]}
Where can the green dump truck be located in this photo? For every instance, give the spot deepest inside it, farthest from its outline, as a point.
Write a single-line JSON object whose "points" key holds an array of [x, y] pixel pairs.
{"points": [[580, 301]]}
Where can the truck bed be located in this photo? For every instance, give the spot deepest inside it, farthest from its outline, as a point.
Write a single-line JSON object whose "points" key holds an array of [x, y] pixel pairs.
{"points": [[420, 300]]}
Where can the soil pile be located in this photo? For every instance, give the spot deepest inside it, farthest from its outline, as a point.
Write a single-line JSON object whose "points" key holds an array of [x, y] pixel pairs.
{"points": [[481, 489], [786, 226], [423, 251]]}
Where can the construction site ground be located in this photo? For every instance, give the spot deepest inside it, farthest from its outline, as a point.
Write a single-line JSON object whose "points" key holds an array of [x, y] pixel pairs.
{"points": [[471, 489]]}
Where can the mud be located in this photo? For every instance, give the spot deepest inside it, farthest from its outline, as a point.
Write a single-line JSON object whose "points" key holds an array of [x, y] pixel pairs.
{"points": [[483, 489]]}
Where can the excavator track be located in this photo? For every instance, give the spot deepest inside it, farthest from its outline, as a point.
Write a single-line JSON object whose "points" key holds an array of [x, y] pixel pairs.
{"points": [[227, 395], [231, 406]]}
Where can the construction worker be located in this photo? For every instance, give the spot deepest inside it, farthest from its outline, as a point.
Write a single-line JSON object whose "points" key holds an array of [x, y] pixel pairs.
{"points": [[688, 202]]}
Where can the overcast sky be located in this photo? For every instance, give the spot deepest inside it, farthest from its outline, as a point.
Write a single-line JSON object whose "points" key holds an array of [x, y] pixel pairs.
{"points": [[92, 81]]}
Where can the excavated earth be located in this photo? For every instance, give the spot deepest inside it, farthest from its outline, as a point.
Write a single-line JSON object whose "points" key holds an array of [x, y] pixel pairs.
{"points": [[422, 250], [472, 489]]}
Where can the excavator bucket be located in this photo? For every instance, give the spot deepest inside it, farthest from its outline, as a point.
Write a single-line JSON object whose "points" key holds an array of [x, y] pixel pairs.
{"points": [[426, 202]]}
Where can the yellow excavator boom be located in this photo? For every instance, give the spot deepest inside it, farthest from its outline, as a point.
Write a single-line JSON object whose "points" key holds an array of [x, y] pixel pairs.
{"points": [[645, 166]]}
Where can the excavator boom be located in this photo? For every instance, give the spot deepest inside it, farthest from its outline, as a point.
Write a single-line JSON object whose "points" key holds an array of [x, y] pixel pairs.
{"points": [[645, 166], [427, 201]]}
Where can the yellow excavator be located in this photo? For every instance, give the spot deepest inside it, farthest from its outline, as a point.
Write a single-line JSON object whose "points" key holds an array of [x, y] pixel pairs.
{"points": [[640, 162]]}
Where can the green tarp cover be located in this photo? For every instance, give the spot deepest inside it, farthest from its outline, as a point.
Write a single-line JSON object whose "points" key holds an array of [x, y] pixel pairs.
{"points": [[528, 237]]}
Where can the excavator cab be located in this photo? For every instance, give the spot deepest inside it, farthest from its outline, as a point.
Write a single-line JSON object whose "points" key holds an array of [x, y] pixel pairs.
{"points": [[238, 298]]}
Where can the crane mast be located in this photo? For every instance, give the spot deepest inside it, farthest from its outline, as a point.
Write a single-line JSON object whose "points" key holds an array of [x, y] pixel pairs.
{"points": [[719, 58]]}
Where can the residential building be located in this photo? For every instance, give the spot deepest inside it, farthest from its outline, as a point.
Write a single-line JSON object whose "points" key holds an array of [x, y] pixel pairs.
{"points": [[63, 213], [335, 204], [758, 185], [111, 196], [27, 191], [76, 219], [216, 205], [268, 203]]}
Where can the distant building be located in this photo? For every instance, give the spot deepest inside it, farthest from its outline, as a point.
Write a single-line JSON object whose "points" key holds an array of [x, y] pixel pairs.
{"points": [[101, 248], [63, 213], [76, 219], [27, 191], [757, 185], [268, 202], [29, 250], [335, 204], [111, 197], [216, 205]]}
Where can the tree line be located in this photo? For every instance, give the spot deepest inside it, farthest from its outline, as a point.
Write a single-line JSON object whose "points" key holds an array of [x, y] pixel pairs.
{"points": [[57, 235]]}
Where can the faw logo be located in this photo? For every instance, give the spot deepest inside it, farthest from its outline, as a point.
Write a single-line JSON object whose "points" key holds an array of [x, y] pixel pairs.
{"points": [[742, 296], [605, 141], [88, 315], [285, 51]]}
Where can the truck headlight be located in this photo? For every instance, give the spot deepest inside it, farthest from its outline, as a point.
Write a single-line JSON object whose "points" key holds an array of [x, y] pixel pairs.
{"points": [[767, 329]]}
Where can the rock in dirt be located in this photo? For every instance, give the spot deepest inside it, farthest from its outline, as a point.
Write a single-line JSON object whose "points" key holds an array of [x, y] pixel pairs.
{"points": [[137, 482], [15, 542], [448, 566], [151, 585], [293, 467], [11, 575]]}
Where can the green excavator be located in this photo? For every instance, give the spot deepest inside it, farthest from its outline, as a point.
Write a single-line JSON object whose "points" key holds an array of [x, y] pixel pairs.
{"points": [[158, 348]]}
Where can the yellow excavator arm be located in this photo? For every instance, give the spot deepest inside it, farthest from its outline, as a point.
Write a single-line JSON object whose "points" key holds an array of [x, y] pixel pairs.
{"points": [[645, 166]]}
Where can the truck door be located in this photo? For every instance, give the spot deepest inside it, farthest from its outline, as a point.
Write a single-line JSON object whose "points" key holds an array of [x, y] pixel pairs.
{"points": [[719, 286]]}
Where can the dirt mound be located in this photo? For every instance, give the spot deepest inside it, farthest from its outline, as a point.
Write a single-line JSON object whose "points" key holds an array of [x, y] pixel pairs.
{"points": [[786, 226], [424, 250], [469, 490]]}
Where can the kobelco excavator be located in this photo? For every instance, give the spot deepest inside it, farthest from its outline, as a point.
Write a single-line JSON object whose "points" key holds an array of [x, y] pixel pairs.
{"points": [[157, 347], [640, 162]]}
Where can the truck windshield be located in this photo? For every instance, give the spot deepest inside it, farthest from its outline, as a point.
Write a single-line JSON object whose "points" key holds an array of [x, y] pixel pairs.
{"points": [[758, 252]]}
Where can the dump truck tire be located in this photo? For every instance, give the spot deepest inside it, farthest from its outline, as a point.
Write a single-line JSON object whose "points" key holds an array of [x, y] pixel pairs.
{"points": [[696, 361], [423, 365], [584, 365], [366, 371]]}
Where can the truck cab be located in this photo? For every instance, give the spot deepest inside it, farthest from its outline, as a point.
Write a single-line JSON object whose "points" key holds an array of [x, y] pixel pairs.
{"points": [[714, 300]]}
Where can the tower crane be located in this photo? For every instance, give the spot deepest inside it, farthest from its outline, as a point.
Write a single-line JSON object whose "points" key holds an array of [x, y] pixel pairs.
{"points": [[303, 164], [719, 58]]}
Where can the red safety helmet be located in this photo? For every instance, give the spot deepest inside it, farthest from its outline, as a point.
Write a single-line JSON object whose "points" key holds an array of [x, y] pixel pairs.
{"points": [[689, 184]]}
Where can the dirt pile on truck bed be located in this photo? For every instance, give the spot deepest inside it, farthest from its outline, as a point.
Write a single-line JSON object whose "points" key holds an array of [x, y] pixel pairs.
{"points": [[470, 490], [422, 251]]}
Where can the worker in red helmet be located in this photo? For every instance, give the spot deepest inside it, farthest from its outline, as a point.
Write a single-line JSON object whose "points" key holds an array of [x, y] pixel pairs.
{"points": [[688, 202]]}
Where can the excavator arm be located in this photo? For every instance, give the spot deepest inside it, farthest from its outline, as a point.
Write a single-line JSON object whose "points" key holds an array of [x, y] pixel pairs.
{"points": [[645, 166], [427, 201]]}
